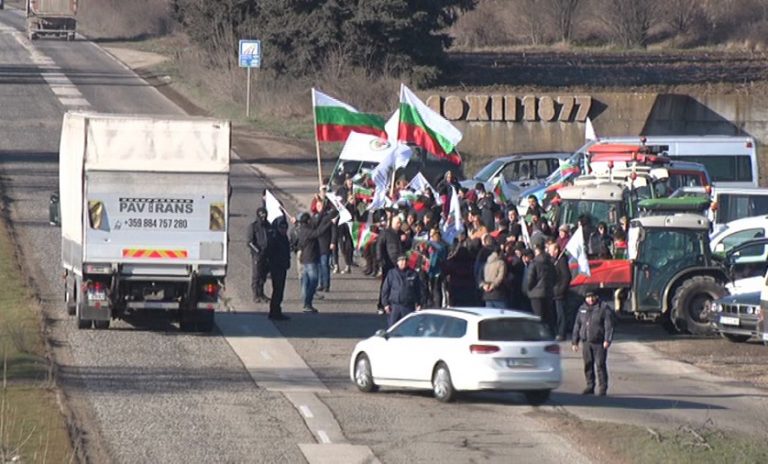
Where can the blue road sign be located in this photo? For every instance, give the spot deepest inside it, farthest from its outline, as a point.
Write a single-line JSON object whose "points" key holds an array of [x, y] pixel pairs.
{"points": [[250, 53]]}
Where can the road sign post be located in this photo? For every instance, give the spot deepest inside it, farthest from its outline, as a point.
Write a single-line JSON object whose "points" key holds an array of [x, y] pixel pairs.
{"points": [[249, 57]]}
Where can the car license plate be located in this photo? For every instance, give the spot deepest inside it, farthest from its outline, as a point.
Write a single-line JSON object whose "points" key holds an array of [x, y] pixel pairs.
{"points": [[518, 362], [725, 320], [97, 295]]}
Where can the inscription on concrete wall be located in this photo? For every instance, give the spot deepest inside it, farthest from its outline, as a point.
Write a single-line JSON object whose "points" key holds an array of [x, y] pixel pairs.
{"points": [[511, 108]]}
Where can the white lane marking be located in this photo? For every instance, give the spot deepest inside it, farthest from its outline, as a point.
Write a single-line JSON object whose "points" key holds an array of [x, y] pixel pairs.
{"points": [[324, 439], [75, 102], [266, 355], [52, 75], [306, 411], [66, 91]]}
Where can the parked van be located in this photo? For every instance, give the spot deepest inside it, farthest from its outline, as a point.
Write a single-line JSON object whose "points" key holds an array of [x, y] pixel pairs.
{"points": [[730, 160], [729, 204]]}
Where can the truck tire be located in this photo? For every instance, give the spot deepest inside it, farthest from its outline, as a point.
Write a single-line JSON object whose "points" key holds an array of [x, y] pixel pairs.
{"points": [[186, 320], [70, 298], [692, 302], [205, 321], [101, 325], [81, 323]]}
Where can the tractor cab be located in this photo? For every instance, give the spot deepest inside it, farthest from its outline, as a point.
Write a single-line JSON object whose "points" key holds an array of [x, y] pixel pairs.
{"points": [[674, 275]]}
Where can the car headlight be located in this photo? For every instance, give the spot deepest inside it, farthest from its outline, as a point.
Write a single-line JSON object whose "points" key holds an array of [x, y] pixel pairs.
{"points": [[717, 307]]}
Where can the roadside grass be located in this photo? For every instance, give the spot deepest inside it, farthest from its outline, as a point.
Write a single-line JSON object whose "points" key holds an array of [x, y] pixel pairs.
{"points": [[612, 442], [32, 427]]}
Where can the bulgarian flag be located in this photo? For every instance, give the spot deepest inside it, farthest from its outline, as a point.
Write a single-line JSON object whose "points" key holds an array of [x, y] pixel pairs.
{"points": [[499, 190], [362, 193], [422, 126], [362, 234], [334, 120]]}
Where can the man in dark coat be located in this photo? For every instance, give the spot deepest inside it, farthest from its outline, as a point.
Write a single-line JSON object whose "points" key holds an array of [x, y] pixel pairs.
{"points": [[594, 329], [279, 252], [306, 244], [388, 247], [541, 285], [258, 241], [402, 293], [562, 284]]}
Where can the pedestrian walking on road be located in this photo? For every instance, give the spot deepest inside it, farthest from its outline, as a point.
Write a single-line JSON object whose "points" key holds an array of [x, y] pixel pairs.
{"points": [[279, 251], [594, 329], [258, 238], [402, 293]]}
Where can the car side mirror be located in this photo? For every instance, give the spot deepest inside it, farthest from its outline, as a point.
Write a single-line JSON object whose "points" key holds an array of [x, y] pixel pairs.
{"points": [[54, 210], [381, 333]]}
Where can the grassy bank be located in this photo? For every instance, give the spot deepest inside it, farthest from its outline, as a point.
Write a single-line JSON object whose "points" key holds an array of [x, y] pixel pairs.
{"points": [[623, 443], [32, 428]]}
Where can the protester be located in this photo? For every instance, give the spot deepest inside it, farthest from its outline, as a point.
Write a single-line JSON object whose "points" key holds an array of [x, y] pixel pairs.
{"points": [[279, 259], [560, 290], [494, 272], [306, 244], [258, 241], [541, 283], [388, 247]]}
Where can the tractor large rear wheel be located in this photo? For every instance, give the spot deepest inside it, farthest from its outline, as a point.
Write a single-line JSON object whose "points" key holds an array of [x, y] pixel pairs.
{"points": [[692, 304]]}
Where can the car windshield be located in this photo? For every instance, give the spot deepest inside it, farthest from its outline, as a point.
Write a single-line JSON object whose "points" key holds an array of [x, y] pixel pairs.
{"points": [[511, 329], [485, 174], [597, 211]]}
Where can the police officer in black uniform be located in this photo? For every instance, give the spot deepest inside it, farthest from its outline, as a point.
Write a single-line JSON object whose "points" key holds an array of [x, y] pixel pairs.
{"points": [[594, 328], [258, 240]]}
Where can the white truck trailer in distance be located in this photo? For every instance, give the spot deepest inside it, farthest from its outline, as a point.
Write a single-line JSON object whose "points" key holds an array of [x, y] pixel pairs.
{"points": [[144, 216]]}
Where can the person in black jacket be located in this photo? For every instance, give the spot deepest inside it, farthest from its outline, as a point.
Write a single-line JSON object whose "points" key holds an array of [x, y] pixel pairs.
{"points": [[327, 242], [279, 252], [258, 238], [594, 329], [402, 293], [305, 243], [562, 284], [541, 285], [388, 247]]}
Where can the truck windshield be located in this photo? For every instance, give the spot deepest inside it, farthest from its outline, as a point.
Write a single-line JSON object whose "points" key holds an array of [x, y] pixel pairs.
{"points": [[597, 211]]}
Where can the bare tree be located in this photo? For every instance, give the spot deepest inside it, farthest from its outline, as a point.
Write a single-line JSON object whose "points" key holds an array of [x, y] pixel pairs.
{"points": [[681, 14], [629, 20], [531, 21], [563, 13]]}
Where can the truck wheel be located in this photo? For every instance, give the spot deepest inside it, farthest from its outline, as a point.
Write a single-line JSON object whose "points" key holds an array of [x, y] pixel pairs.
{"points": [[69, 298], [101, 325], [205, 321], [735, 338], [692, 303], [186, 321]]}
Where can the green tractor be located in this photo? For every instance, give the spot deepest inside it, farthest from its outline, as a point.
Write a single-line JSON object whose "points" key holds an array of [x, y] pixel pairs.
{"points": [[674, 275]]}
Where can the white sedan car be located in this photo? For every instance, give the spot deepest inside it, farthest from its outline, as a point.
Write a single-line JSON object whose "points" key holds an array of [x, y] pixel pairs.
{"points": [[461, 349]]}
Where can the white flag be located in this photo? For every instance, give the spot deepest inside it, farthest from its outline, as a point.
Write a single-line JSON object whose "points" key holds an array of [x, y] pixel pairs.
{"points": [[453, 225], [419, 183], [589, 132], [273, 205], [344, 215], [576, 248], [524, 229], [392, 126]]}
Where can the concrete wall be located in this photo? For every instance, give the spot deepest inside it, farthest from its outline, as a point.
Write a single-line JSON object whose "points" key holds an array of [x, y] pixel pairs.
{"points": [[515, 129]]}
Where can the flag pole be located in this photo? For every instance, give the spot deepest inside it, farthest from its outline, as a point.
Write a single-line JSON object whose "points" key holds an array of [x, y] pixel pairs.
{"points": [[317, 143]]}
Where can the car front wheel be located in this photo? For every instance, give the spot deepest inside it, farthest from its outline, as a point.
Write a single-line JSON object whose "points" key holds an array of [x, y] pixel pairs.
{"points": [[442, 385], [364, 375]]}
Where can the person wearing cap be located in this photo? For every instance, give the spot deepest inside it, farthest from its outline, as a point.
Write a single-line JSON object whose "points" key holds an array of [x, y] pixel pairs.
{"points": [[563, 236], [402, 292], [594, 330], [258, 240]]}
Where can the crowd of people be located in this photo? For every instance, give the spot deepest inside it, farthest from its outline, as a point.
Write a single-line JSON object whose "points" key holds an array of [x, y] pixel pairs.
{"points": [[497, 259]]}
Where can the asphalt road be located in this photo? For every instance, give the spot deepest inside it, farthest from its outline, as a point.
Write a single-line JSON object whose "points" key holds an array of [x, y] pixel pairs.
{"points": [[144, 392]]}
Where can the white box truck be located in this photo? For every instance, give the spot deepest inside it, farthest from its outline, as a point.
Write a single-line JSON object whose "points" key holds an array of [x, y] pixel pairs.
{"points": [[51, 17], [143, 206]]}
